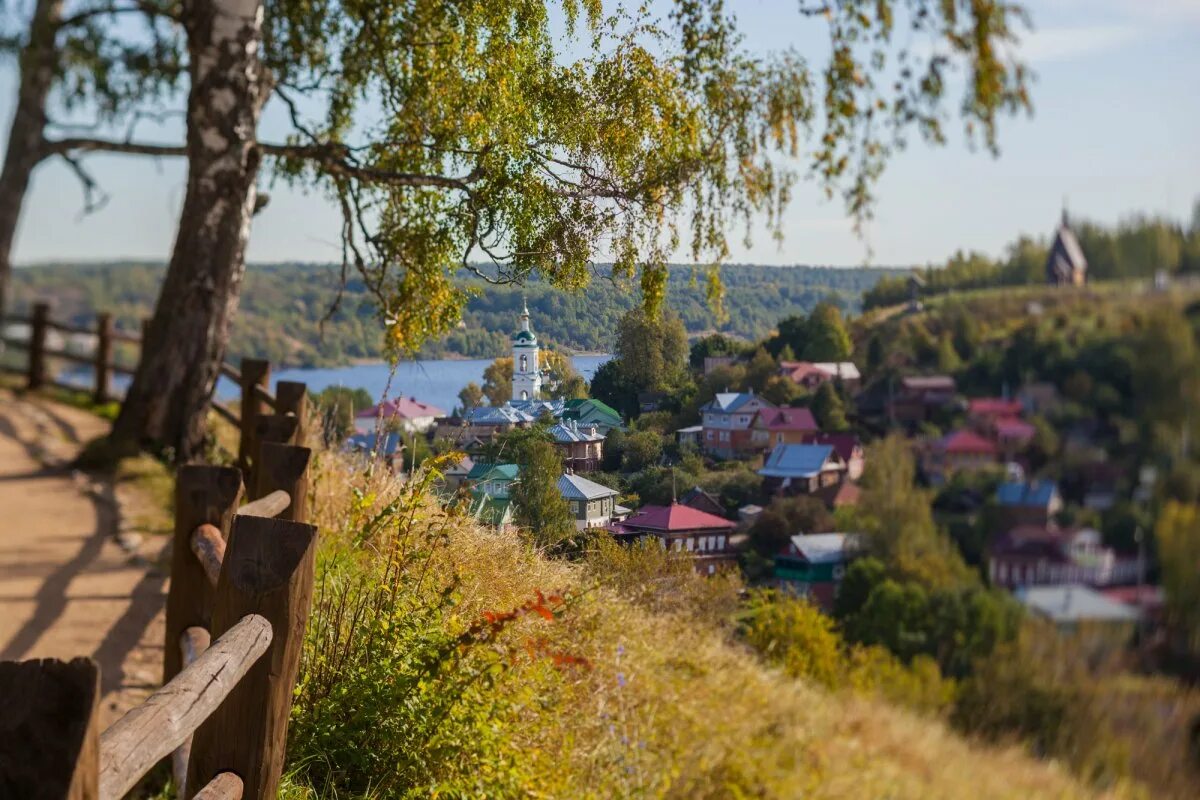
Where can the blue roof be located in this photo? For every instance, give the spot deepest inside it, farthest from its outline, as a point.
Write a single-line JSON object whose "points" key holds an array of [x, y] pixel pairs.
{"points": [[1032, 494], [366, 443], [796, 460], [728, 401], [497, 415]]}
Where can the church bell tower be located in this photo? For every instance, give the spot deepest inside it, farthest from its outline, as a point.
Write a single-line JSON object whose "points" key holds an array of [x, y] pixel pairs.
{"points": [[527, 376]]}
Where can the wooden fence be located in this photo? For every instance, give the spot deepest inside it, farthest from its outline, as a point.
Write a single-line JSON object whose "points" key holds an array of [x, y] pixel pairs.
{"points": [[236, 612]]}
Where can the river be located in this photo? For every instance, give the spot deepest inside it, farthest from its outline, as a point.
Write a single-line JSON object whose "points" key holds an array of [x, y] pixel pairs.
{"points": [[437, 382]]}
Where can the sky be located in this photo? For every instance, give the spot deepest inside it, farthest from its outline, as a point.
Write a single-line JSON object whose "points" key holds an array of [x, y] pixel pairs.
{"points": [[1115, 131]]}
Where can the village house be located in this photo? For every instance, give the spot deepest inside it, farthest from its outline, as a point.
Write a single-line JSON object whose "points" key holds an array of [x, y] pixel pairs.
{"points": [[848, 447], [591, 413], [801, 469], [813, 565], [581, 448], [1012, 436], [1076, 609], [388, 449], [592, 504], [455, 476], [983, 412], [404, 414], [727, 419], [706, 537], [810, 374], [773, 426], [920, 396], [957, 451], [481, 425], [1037, 555], [1028, 502], [490, 486]]}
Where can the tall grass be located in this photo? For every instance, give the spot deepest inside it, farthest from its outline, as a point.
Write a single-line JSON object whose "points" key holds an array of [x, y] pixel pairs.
{"points": [[450, 661]]}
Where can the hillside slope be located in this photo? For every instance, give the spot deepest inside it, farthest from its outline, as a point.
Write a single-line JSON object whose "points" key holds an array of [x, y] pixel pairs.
{"points": [[633, 687]]}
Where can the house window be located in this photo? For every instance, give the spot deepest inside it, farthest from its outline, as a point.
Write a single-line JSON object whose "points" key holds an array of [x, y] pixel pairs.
{"points": [[708, 435], [524, 363], [720, 542], [524, 395], [688, 543], [724, 437]]}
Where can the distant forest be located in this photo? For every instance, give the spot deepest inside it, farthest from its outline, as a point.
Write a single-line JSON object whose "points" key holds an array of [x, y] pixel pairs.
{"points": [[283, 306]]}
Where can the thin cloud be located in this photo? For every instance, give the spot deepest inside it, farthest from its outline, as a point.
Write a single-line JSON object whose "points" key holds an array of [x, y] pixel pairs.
{"points": [[1067, 44]]}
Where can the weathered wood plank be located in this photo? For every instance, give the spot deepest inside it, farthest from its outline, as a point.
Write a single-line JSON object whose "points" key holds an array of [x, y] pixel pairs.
{"points": [[49, 729], [225, 786], [271, 505], [208, 546], [268, 570], [149, 732]]}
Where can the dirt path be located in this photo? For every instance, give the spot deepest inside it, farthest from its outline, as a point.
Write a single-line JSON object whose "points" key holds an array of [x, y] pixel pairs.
{"points": [[69, 585]]}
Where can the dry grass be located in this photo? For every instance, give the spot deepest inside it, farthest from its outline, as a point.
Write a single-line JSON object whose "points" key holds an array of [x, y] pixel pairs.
{"points": [[667, 704]]}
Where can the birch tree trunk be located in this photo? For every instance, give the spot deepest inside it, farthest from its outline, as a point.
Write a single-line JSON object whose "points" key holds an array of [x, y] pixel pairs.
{"points": [[26, 137], [167, 403]]}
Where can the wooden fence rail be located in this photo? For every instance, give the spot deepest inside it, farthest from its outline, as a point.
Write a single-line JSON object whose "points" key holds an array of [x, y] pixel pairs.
{"points": [[241, 579], [285, 412]]}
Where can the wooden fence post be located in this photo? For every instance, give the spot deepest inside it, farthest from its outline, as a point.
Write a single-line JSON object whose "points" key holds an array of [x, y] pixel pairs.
{"points": [[291, 397], [284, 466], [268, 570], [271, 428], [104, 353], [37, 345], [255, 373], [49, 729], [203, 494]]}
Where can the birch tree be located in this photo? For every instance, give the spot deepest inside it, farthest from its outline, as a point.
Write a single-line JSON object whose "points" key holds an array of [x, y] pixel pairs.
{"points": [[514, 138], [86, 57]]}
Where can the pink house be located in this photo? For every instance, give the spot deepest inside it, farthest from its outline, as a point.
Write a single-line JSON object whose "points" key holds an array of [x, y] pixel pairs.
{"points": [[403, 413]]}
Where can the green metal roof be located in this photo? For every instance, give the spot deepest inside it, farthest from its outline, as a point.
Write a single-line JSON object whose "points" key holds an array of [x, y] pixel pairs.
{"points": [[487, 471]]}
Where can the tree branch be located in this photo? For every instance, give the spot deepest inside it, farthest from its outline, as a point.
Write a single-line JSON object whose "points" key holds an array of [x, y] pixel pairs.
{"points": [[94, 198], [63, 147], [147, 8], [142, 6]]}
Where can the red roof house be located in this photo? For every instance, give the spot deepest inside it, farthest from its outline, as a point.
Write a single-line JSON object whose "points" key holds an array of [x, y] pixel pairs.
{"points": [[993, 408], [961, 449], [683, 529], [405, 412]]}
